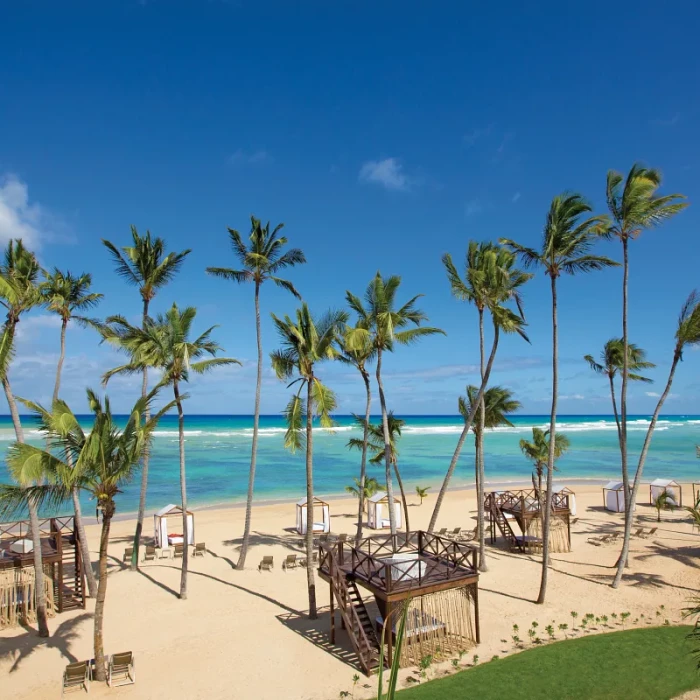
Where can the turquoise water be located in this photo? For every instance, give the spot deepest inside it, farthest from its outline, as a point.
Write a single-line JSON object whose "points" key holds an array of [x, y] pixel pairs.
{"points": [[218, 455]]}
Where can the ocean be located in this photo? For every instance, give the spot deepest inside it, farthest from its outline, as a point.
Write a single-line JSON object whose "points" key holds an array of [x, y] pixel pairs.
{"points": [[218, 456]]}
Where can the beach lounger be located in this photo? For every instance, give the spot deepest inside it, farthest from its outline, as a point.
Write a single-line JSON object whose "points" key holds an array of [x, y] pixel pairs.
{"points": [[179, 551], [314, 560], [442, 531], [199, 549], [597, 541], [469, 536], [651, 533], [455, 532], [342, 538], [128, 553], [122, 669], [77, 675], [290, 562], [266, 564], [150, 554], [639, 532]]}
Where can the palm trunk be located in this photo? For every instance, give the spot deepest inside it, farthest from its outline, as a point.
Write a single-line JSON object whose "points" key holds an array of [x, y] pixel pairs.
{"points": [[144, 465], [465, 431], [61, 357], [100, 674], [310, 579], [183, 491], [363, 462], [399, 481], [624, 554], [254, 450], [614, 405], [83, 544], [546, 520], [623, 388], [387, 446], [480, 454]]}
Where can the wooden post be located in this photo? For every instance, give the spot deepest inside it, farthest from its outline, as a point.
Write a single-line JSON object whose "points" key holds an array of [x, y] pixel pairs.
{"points": [[568, 527], [332, 615], [477, 628]]}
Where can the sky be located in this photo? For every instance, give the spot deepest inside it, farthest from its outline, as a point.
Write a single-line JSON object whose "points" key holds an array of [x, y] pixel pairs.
{"points": [[383, 135]]}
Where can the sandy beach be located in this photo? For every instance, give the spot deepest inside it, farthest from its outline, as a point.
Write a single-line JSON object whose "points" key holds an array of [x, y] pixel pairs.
{"points": [[245, 633]]}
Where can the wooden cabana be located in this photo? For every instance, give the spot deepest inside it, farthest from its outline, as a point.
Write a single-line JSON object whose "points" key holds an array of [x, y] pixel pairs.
{"points": [[669, 486], [696, 492], [166, 537], [562, 489], [321, 513], [614, 497], [378, 511]]}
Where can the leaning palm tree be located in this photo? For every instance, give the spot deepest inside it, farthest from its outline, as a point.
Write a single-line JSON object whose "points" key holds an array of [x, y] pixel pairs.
{"points": [[307, 341], [387, 327], [144, 265], [634, 207], [687, 335], [19, 292], [567, 240], [260, 261], [101, 462], [65, 295], [537, 451], [497, 402], [165, 344]]}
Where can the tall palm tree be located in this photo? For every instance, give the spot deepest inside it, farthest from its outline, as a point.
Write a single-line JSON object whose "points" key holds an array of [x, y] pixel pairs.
{"points": [[307, 341], [567, 240], [497, 402], [19, 292], [687, 335], [375, 443], [144, 265], [65, 295], [165, 344], [387, 326], [537, 451], [611, 362], [634, 207], [260, 261], [356, 349], [101, 462]]}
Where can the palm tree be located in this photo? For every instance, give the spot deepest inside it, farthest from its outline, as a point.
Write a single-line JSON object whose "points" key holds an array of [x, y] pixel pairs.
{"points": [[497, 403], [565, 250], [165, 344], [65, 295], [260, 261], [19, 292], [385, 322], [634, 207], [687, 335], [611, 362], [371, 486], [694, 635], [422, 492], [537, 451], [664, 501], [307, 341], [375, 443], [356, 349], [101, 462], [146, 266]]}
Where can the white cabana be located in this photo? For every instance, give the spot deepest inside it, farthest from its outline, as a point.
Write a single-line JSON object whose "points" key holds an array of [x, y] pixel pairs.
{"points": [[171, 536], [614, 497], [671, 487], [322, 516], [378, 511], [560, 488]]}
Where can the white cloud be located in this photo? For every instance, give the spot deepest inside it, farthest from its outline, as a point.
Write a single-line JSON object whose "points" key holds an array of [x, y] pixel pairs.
{"points": [[473, 207], [572, 397], [31, 326], [653, 394], [241, 157], [515, 197], [20, 218], [388, 173], [670, 121]]}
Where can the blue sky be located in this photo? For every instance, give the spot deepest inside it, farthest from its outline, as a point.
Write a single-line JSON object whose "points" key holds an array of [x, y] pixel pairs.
{"points": [[383, 135]]}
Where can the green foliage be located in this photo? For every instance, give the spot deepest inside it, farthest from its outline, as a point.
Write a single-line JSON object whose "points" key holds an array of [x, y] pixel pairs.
{"points": [[398, 645], [65, 294], [422, 492], [372, 486], [612, 360], [375, 438], [663, 501], [537, 451], [498, 403]]}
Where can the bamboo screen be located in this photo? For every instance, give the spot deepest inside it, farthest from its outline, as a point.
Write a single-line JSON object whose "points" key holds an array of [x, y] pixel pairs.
{"points": [[17, 599], [438, 625], [558, 534]]}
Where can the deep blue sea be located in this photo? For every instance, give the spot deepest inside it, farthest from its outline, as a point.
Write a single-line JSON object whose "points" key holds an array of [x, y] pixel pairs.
{"points": [[218, 455]]}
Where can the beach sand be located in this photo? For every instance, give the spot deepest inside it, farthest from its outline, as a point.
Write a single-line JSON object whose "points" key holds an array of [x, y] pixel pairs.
{"points": [[244, 634]]}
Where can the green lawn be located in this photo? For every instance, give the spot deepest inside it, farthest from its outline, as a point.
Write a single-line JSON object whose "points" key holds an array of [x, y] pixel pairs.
{"points": [[652, 663]]}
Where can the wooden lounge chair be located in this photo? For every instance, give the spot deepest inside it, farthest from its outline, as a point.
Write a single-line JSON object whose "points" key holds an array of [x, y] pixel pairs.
{"points": [[179, 551], [314, 560], [77, 675], [122, 669], [469, 536], [455, 532], [639, 532], [266, 564], [290, 562], [442, 531], [342, 538], [597, 541], [199, 549], [150, 554], [128, 553], [651, 533]]}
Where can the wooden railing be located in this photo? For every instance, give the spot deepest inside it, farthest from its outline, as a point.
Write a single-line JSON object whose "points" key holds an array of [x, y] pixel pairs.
{"points": [[524, 501]]}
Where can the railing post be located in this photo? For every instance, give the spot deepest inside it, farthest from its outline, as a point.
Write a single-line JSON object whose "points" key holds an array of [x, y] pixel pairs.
{"points": [[420, 541], [387, 576]]}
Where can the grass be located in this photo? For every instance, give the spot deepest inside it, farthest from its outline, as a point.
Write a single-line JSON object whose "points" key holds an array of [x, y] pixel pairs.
{"points": [[652, 663]]}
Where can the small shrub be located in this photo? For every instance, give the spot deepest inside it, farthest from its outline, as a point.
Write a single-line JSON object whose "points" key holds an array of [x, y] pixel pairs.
{"points": [[549, 629], [475, 659], [495, 657]]}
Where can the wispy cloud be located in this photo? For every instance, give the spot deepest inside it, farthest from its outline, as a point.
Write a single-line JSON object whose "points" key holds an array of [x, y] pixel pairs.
{"points": [[572, 397], [515, 197], [474, 135], [389, 173], [473, 207], [241, 157], [653, 394], [669, 121]]}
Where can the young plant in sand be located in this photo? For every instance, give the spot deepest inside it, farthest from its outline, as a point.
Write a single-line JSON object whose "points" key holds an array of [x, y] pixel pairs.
{"points": [[567, 240], [146, 266], [306, 342], [537, 452], [19, 292], [261, 260], [371, 486], [164, 344], [387, 325], [422, 493], [664, 501], [100, 462]]}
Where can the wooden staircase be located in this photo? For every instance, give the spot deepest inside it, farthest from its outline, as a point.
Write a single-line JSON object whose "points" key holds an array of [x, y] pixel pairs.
{"points": [[514, 542], [70, 581]]}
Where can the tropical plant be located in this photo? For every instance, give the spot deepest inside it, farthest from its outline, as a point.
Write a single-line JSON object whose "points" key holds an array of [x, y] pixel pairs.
{"points": [[694, 611], [165, 344], [371, 486], [634, 207], [663, 501], [390, 693], [356, 350], [567, 240], [422, 492], [387, 326], [537, 451], [19, 292], [687, 335], [307, 341], [146, 266], [101, 461], [260, 260]]}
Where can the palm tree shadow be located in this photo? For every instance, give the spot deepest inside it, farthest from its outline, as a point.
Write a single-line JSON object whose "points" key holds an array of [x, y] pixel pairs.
{"points": [[61, 639], [685, 555]]}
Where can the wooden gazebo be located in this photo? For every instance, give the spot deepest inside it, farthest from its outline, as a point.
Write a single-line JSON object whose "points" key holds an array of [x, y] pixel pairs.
{"points": [[321, 513], [378, 511], [669, 486], [614, 496]]}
